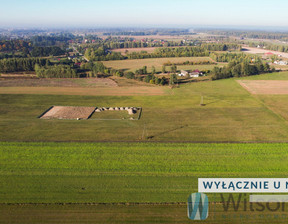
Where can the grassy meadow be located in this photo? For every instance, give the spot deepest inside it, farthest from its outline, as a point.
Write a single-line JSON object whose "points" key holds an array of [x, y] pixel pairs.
{"points": [[67, 164], [231, 114], [127, 172], [127, 213], [91, 182]]}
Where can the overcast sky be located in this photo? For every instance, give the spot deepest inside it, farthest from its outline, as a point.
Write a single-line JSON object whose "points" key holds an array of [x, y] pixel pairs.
{"points": [[95, 13]]}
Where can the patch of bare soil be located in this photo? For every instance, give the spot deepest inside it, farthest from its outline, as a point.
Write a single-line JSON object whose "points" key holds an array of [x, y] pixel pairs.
{"points": [[265, 86], [61, 112], [79, 82]]}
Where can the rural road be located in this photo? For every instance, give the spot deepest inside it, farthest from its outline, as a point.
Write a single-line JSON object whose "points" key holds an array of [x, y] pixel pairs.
{"points": [[75, 49]]}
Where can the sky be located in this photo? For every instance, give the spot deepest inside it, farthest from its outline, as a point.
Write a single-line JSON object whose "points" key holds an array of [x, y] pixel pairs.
{"points": [[146, 13]]}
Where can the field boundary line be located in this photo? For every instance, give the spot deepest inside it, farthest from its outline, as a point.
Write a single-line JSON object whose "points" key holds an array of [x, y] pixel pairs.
{"points": [[256, 97]]}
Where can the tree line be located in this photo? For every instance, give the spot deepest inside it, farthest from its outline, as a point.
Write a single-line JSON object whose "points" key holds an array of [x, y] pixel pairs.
{"points": [[13, 45], [267, 46], [56, 71], [46, 51], [100, 54], [240, 68], [21, 64], [250, 34], [204, 62]]}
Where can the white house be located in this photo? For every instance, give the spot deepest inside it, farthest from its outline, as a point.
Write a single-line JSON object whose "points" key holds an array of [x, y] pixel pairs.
{"points": [[195, 74], [183, 73]]}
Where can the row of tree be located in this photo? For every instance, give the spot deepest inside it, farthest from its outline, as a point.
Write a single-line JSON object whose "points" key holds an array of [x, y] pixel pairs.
{"points": [[227, 57], [56, 71], [100, 54], [46, 51], [128, 42], [269, 46], [238, 69], [196, 51], [13, 45], [21, 64], [250, 34], [204, 62]]}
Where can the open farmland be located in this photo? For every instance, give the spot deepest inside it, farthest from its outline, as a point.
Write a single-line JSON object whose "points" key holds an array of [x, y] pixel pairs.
{"points": [[134, 64], [104, 91], [92, 182], [54, 82], [113, 173], [128, 213], [168, 115], [265, 86]]}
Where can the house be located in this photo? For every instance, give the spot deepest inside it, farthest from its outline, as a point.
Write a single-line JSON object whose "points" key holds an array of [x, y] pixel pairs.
{"points": [[183, 73], [195, 74]]}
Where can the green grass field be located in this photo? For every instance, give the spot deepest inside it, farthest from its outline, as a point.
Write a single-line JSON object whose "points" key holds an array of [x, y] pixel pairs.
{"points": [[123, 173], [127, 172], [231, 114], [143, 213], [51, 161]]}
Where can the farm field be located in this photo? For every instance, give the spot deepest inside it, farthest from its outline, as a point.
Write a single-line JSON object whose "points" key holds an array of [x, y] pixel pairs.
{"points": [[134, 64], [132, 213], [112, 81], [54, 82], [168, 115], [104, 91], [272, 87], [47, 179], [114, 173], [268, 76]]}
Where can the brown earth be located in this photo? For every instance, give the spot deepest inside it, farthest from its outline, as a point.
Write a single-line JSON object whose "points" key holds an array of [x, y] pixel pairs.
{"points": [[60, 112], [103, 91], [54, 82], [265, 86]]}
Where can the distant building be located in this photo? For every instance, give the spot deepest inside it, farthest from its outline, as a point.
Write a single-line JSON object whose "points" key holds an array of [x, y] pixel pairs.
{"points": [[280, 62], [183, 73], [195, 74], [269, 53]]}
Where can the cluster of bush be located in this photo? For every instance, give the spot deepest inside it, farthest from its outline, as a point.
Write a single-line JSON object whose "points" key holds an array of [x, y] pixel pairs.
{"points": [[149, 78]]}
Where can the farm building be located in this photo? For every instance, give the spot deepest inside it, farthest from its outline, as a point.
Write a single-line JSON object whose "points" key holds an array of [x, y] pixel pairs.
{"points": [[196, 73], [183, 73]]}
